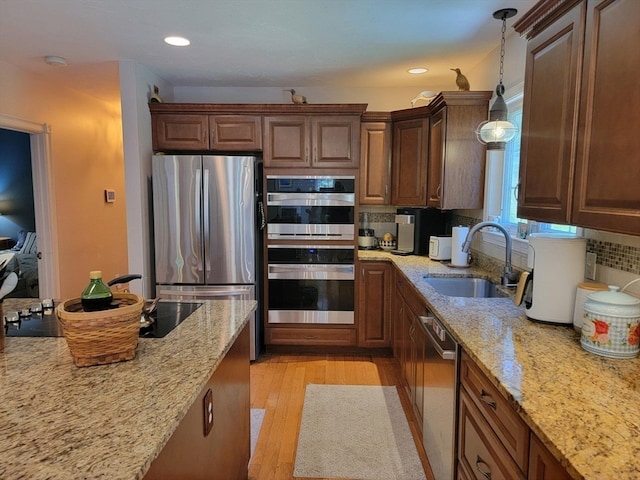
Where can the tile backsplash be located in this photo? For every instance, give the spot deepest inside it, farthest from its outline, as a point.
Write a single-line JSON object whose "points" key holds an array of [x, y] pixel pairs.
{"points": [[618, 256]]}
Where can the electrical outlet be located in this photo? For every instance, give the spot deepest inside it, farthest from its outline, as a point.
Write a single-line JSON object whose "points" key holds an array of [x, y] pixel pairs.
{"points": [[207, 407], [590, 266]]}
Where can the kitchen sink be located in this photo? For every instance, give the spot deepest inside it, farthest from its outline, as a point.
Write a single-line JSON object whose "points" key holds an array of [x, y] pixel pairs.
{"points": [[464, 287]]}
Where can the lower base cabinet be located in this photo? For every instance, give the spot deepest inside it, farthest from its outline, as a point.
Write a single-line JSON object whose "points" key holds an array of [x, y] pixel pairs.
{"points": [[493, 441], [224, 453]]}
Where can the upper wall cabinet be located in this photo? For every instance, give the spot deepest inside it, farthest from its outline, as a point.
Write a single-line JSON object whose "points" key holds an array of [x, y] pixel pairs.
{"points": [[455, 177], [437, 160], [180, 132], [375, 158], [294, 135], [323, 141], [409, 162], [579, 134]]}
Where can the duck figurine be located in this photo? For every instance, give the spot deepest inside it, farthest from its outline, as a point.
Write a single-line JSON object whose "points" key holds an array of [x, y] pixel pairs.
{"points": [[297, 98]]}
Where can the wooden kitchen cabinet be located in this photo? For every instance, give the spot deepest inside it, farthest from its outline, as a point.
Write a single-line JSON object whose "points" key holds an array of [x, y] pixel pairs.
{"points": [[318, 141], [437, 160], [492, 437], [412, 344], [409, 162], [180, 132], [310, 336], [375, 159], [456, 166], [550, 119], [235, 132], [480, 453], [543, 465], [224, 452], [374, 304], [578, 137]]}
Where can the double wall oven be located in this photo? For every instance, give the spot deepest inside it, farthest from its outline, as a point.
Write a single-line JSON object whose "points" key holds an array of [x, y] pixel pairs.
{"points": [[310, 270]]}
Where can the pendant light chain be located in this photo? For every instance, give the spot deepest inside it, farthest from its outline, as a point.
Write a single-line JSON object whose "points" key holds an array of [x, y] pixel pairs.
{"points": [[502, 42]]}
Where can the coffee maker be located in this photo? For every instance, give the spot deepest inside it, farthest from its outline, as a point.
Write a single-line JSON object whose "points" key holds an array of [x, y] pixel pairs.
{"points": [[415, 226]]}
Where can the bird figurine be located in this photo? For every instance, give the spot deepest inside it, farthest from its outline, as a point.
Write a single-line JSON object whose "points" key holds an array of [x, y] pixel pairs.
{"points": [[424, 95], [461, 80], [155, 96], [296, 98]]}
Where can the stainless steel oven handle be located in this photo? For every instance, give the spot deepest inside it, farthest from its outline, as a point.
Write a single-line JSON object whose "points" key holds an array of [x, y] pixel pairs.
{"points": [[311, 271], [311, 199], [444, 354]]}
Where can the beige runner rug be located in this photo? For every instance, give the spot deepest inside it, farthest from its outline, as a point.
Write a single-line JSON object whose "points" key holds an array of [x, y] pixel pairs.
{"points": [[355, 432]]}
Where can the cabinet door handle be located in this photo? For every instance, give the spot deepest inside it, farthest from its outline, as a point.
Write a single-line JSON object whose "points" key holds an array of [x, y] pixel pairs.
{"points": [[488, 399], [438, 191], [516, 192], [483, 468], [213, 134]]}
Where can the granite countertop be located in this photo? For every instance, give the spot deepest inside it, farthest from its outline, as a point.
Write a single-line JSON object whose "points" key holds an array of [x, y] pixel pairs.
{"points": [[58, 421], [585, 408]]}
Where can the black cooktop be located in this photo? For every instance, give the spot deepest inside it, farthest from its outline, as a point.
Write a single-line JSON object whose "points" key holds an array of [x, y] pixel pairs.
{"points": [[167, 316]]}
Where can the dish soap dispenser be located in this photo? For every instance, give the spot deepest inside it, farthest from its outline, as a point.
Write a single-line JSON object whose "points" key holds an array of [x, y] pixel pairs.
{"points": [[97, 296]]}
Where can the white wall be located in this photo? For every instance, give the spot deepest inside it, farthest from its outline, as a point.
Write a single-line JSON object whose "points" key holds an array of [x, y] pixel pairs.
{"points": [[136, 85]]}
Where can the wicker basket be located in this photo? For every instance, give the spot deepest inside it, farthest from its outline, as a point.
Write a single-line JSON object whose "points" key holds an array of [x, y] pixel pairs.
{"points": [[106, 336]]}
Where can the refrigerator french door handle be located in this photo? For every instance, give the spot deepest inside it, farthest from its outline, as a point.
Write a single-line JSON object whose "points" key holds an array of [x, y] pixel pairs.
{"points": [[198, 212], [207, 211]]}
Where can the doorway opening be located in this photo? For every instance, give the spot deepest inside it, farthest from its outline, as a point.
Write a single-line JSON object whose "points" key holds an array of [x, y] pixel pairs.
{"points": [[43, 200]]}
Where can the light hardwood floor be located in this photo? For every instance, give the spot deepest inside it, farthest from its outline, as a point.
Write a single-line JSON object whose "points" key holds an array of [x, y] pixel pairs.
{"points": [[278, 385]]}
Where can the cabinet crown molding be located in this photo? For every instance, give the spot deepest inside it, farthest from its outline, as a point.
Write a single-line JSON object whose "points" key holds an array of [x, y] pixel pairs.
{"points": [[258, 108], [541, 15]]}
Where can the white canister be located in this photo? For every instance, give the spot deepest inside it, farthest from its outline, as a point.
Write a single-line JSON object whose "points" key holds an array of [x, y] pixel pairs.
{"points": [[611, 324], [583, 290]]}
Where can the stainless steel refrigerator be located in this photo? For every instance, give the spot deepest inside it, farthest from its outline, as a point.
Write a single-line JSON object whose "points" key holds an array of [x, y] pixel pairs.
{"points": [[206, 230]]}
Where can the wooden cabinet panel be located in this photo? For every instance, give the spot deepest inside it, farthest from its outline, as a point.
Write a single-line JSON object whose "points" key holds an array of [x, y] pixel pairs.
{"points": [[543, 465], [375, 163], [312, 141], [606, 194], [235, 132], [409, 162], [437, 134], [300, 336], [286, 141], [335, 141], [578, 138], [374, 304], [225, 451], [180, 132], [457, 159], [505, 422], [480, 452], [549, 122]]}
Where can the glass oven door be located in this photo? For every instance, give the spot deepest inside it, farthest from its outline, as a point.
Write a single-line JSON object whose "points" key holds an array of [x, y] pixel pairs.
{"points": [[311, 285]]}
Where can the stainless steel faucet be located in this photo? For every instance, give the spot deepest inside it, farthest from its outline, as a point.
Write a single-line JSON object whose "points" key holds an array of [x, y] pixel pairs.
{"points": [[509, 277]]}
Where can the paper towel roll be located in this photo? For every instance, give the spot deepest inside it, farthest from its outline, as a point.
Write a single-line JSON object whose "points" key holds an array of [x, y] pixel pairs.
{"points": [[458, 257]]}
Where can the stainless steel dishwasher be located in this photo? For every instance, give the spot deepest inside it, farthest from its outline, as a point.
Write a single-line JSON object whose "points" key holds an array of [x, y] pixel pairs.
{"points": [[440, 398]]}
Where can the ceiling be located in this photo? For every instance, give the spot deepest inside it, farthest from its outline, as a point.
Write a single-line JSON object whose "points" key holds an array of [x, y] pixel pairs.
{"points": [[254, 43]]}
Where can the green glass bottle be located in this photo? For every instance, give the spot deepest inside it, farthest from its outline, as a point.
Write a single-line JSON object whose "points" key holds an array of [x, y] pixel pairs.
{"points": [[97, 296]]}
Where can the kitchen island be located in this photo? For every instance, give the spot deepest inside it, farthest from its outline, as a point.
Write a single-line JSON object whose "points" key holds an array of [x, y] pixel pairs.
{"points": [[584, 408], [58, 421]]}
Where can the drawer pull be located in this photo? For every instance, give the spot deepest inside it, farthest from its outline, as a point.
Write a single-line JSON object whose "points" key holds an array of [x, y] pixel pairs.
{"points": [[486, 398], [310, 337], [483, 468]]}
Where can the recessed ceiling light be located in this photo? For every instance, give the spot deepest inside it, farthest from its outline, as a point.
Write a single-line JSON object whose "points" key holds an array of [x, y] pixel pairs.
{"points": [[177, 41], [417, 70], [55, 61]]}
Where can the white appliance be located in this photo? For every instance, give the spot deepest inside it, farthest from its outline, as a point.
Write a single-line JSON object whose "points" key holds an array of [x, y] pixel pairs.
{"points": [[439, 248], [557, 263]]}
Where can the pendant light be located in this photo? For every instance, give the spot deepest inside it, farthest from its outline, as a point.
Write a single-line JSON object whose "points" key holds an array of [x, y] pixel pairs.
{"points": [[497, 131]]}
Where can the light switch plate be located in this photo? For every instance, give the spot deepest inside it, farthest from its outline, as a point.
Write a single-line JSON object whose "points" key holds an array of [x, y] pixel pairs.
{"points": [[590, 266]]}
